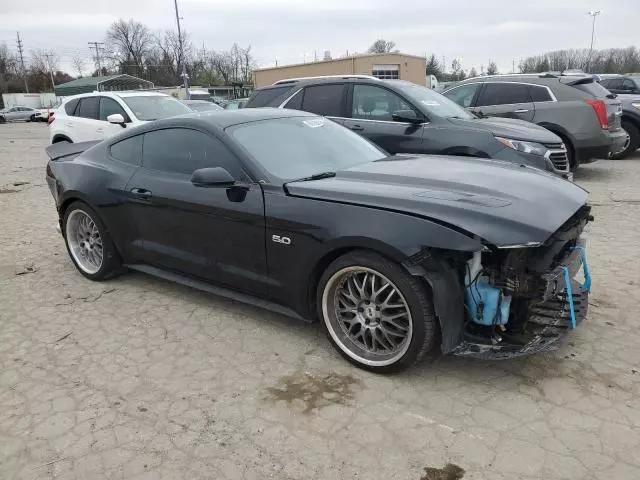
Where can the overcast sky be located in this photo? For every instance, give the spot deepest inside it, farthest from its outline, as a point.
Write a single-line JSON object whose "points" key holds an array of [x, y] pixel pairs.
{"points": [[285, 30]]}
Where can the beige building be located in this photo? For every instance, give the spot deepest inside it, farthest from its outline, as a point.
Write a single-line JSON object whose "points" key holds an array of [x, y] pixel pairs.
{"points": [[385, 66]]}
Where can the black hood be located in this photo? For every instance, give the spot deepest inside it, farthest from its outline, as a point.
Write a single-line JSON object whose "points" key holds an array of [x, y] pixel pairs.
{"points": [[510, 128], [500, 202]]}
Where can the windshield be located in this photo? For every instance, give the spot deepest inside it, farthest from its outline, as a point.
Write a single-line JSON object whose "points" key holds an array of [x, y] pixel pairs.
{"points": [[297, 147], [435, 104], [154, 107]]}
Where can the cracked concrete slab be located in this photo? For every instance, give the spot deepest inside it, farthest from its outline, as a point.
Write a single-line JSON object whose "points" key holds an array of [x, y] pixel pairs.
{"points": [[137, 378]]}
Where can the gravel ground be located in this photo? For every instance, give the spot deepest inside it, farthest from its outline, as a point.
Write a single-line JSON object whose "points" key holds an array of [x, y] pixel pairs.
{"points": [[138, 378]]}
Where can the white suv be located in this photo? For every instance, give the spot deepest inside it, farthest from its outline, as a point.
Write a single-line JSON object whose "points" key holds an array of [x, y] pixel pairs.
{"points": [[98, 115]]}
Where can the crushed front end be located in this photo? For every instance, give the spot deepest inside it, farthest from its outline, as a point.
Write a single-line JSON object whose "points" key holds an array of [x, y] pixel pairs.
{"points": [[520, 300]]}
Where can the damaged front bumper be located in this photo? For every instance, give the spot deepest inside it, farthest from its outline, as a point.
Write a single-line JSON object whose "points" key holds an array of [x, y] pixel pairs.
{"points": [[560, 305]]}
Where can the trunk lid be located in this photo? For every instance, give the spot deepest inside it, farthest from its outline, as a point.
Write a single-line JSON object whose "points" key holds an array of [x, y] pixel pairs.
{"points": [[68, 151]]}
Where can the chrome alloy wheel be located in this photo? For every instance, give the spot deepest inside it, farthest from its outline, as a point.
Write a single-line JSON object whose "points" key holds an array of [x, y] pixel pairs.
{"points": [[627, 142], [367, 316], [85, 243]]}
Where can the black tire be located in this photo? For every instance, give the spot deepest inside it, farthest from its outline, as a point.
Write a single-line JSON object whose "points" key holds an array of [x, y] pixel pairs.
{"points": [[111, 264], [634, 141], [32, 118], [413, 291], [3, 120]]}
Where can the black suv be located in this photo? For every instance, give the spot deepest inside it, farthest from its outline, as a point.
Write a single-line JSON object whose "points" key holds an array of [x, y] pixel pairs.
{"points": [[402, 117], [575, 107]]}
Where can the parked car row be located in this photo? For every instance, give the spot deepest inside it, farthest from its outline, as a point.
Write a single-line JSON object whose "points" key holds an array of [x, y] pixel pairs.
{"points": [[402, 117], [585, 115]]}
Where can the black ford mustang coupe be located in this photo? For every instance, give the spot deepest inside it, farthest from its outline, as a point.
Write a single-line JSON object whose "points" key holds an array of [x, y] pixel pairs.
{"points": [[292, 212]]}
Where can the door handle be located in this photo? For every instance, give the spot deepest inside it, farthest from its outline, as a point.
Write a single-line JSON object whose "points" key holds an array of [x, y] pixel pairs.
{"points": [[357, 128], [141, 193], [522, 110]]}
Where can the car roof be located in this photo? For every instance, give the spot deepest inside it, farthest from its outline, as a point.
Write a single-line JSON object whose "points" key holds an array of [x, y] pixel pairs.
{"points": [[121, 94], [221, 119]]}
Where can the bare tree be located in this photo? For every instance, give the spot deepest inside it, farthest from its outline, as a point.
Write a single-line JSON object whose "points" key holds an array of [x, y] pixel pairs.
{"points": [[492, 68], [473, 72], [132, 41], [78, 64], [382, 46], [247, 66], [44, 61]]}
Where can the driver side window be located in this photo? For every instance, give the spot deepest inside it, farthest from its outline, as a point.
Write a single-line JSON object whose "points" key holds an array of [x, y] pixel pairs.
{"points": [[376, 103], [181, 150]]}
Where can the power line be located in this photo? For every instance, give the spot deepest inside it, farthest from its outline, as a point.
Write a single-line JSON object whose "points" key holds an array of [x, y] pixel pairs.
{"points": [[97, 46], [24, 72]]}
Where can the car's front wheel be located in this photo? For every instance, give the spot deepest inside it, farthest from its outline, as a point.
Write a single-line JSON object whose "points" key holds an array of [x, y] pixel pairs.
{"points": [[88, 243], [377, 315]]}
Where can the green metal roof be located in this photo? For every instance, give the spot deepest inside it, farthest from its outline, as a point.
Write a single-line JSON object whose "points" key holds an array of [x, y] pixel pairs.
{"points": [[107, 83]]}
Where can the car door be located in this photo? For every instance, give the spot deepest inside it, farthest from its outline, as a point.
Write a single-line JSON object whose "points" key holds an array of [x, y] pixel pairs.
{"points": [[215, 233], [85, 124], [108, 106], [25, 113], [327, 100], [505, 99], [370, 114], [13, 114]]}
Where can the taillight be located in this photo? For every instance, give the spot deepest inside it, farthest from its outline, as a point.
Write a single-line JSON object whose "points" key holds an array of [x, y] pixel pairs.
{"points": [[601, 112]]}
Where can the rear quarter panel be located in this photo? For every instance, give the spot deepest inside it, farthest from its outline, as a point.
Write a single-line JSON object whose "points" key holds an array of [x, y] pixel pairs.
{"points": [[101, 182]]}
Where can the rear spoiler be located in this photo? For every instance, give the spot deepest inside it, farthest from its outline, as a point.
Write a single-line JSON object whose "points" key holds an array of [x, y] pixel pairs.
{"points": [[578, 81], [65, 149]]}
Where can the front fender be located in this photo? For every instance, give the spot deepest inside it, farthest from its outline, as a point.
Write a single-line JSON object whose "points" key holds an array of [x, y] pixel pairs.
{"points": [[320, 231]]}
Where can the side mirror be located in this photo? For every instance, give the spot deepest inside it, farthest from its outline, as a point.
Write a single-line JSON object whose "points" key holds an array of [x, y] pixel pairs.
{"points": [[117, 119], [212, 177], [408, 116]]}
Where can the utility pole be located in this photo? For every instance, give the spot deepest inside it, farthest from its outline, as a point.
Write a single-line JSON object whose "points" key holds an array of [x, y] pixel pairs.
{"points": [[513, 69], [24, 72], [97, 46], [594, 14], [53, 83], [185, 77]]}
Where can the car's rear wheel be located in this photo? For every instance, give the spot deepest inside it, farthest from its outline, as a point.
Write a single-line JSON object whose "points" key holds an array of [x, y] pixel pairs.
{"points": [[632, 143], [377, 315], [88, 243], [3, 120]]}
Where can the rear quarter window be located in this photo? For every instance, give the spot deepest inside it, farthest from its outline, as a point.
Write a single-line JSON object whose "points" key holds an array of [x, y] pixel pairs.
{"points": [[539, 94], [128, 150], [70, 106], [263, 98]]}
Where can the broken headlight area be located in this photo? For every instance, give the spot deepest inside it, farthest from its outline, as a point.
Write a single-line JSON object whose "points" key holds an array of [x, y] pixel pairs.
{"points": [[521, 300]]}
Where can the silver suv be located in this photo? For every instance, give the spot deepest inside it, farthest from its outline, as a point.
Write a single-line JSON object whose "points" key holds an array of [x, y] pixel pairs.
{"points": [[576, 108]]}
